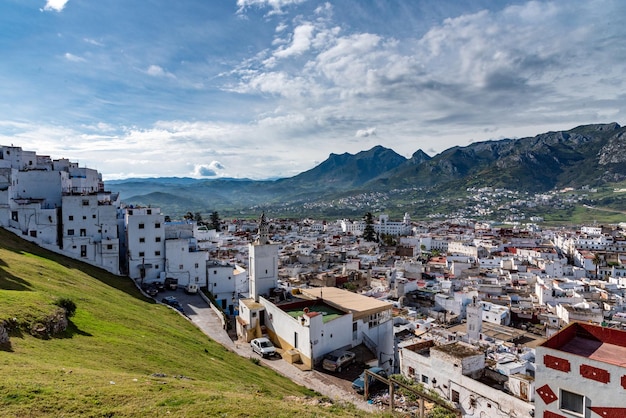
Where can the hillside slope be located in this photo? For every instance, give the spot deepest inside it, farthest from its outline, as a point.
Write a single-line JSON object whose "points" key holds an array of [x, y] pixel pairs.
{"points": [[122, 355]]}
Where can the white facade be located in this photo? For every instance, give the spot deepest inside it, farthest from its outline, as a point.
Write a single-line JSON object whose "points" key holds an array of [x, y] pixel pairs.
{"points": [[581, 373], [185, 261], [223, 281], [452, 372], [145, 241], [89, 225]]}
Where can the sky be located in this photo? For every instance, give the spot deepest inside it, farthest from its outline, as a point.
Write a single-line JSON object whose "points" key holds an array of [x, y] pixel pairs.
{"points": [[264, 89]]}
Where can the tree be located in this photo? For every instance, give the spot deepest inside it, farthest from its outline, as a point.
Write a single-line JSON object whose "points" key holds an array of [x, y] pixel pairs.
{"points": [[596, 261], [198, 218], [215, 220], [188, 216], [368, 233]]}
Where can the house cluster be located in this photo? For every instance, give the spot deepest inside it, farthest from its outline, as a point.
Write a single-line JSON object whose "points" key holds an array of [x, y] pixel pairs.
{"points": [[497, 320]]}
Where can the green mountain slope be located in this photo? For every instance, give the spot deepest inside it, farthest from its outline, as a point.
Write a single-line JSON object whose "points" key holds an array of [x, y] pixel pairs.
{"points": [[122, 355], [589, 155]]}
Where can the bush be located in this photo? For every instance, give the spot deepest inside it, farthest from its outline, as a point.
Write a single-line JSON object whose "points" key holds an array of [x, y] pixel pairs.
{"points": [[68, 305]]}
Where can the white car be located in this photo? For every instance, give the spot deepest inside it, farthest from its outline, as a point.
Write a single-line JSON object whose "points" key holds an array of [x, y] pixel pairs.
{"points": [[263, 347]]}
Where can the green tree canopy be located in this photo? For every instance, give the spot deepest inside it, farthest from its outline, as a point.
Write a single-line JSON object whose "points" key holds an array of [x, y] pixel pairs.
{"points": [[215, 220], [368, 233]]}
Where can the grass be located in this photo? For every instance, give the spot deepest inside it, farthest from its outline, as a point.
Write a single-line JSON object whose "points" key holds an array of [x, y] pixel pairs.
{"points": [[122, 355]]}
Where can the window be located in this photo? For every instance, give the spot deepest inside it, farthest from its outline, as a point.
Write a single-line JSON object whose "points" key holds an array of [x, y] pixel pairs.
{"points": [[157, 239], [157, 225], [85, 202], [14, 215], [180, 267], [83, 232], [93, 216], [71, 217], [196, 265], [84, 217], [149, 211], [157, 253], [411, 371], [142, 239], [141, 254], [454, 397], [109, 246], [572, 402], [156, 266], [83, 251], [424, 379], [141, 226], [70, 232]]}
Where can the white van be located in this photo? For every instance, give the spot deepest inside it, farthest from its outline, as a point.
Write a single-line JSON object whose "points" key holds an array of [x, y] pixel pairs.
{"points": [[191, 288]]}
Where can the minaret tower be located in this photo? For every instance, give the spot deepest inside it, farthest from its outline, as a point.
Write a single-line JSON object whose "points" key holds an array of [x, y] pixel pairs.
{"points": [[262, 262], [474, 320]]}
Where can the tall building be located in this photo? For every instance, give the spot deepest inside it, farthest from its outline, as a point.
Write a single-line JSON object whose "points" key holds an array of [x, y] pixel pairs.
{"points": [[262, 262]]}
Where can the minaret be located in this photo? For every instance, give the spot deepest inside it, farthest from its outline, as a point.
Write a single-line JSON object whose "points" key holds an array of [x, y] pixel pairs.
{"points": [[262, 262], [474, 320], [263, 237]]}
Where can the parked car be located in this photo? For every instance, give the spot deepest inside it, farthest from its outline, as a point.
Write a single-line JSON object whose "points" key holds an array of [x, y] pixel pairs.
{"points": [[359, 382], [159, 286], [152, 291], [263, 347], [171, 283], [173, 302], [191, 288], [336, 360]]}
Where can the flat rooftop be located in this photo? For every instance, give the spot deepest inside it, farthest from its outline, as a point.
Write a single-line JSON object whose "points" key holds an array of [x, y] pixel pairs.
{"points": [[359, 305], [504, 333], [607, 345]]}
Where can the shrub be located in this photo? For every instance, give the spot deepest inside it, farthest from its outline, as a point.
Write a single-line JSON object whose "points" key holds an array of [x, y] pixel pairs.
{"points": [[68, 305]]}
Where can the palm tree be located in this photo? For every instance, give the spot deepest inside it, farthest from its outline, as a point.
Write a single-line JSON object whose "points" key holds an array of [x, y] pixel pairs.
{"points": [[596, 261]]}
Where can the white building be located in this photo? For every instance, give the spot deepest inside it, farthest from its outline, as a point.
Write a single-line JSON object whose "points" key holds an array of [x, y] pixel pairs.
{"points": [[316, 322], [581, 373], [145, 243], [185, 261], [89, 225], [454, 371], [227, 283]]}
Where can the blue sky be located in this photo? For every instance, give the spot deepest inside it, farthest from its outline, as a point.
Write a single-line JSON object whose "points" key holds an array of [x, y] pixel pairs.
{"points": [[269, 88]]}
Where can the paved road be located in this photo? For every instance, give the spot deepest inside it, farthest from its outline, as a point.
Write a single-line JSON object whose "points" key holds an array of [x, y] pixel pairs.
{"points": [[201, 314]]}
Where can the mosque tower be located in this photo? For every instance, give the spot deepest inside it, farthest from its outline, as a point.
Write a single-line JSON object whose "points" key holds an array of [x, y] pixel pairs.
{"points": [[262, 262]]}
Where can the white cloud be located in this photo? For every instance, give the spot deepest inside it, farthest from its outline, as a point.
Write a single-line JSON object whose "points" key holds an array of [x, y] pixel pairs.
{"points": [[93, 42], [276, 6], [73, 58], [55, 5], [363, 133], [210, 170], [157, 71], [300, 43]]}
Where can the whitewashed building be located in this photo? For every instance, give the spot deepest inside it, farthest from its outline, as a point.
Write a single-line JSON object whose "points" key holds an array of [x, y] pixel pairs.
{"points": [[581, 373], [89, 225], [456, 372], [145, 243], [317, 321]]}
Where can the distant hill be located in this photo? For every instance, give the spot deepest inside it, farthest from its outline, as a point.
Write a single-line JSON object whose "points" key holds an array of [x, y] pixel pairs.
{"points": [[592, 155]]}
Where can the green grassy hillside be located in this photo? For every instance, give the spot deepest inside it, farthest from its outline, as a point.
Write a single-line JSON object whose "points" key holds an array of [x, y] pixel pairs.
{"points": [[122, 355]]}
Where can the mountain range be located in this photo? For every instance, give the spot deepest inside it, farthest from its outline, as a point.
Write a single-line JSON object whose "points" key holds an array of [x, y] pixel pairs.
{"points": [[588, 155]]}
